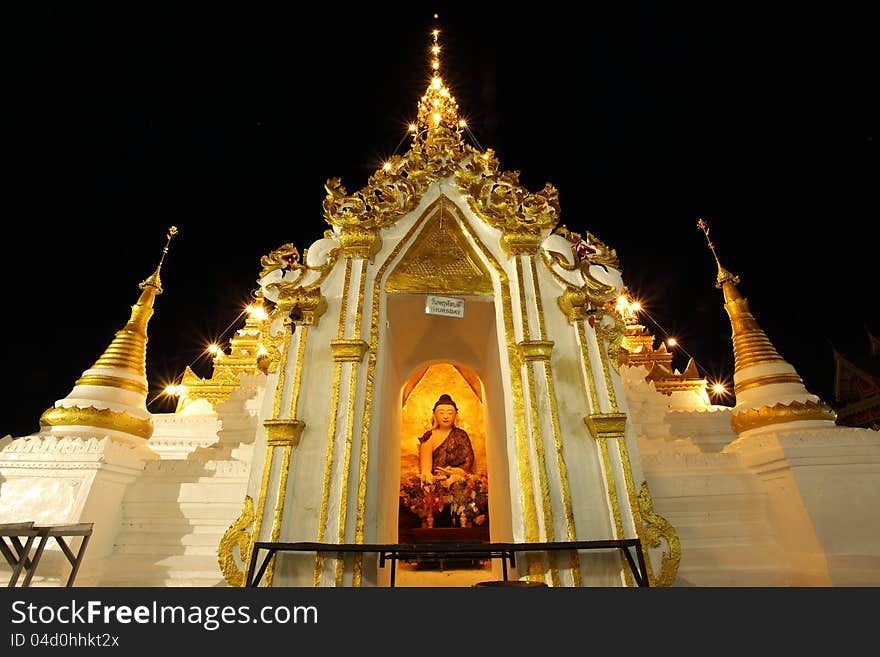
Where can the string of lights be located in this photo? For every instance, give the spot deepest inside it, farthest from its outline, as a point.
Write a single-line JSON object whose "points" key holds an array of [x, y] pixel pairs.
{"points": [[631, 309], [172, 389]]}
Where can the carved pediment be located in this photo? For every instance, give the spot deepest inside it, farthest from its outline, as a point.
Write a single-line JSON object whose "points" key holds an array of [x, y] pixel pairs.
{"points": [[441, 260]]}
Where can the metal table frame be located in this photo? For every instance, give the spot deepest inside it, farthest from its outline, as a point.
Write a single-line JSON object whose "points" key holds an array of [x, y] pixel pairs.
{"points": [[394, 551], [18, 555]]}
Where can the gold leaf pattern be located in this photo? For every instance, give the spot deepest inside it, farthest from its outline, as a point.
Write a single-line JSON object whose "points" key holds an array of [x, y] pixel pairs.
{"points": [[657, 528], [236, 536]]}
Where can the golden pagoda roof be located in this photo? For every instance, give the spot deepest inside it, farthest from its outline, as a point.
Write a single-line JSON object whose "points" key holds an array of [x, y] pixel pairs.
{"points": [[112, 393], [774, 391]]}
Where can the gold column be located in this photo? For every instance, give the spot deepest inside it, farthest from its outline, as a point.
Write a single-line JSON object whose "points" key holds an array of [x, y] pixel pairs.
{"points": [[284, 429]]}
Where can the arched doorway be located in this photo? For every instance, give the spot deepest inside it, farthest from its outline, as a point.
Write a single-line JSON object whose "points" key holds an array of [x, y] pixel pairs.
{"points": [[454, 509]]}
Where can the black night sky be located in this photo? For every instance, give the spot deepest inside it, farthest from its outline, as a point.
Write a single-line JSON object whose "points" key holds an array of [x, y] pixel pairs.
{"points": [[226, 120]]}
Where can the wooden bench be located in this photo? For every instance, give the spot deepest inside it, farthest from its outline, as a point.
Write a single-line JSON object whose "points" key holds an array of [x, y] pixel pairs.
{"points": [[18, 555]]}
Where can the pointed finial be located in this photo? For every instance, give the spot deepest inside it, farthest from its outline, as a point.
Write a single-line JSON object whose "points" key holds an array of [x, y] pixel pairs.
{"points": [[154, 279], [437, 111], [435, 49], [723, 275]]}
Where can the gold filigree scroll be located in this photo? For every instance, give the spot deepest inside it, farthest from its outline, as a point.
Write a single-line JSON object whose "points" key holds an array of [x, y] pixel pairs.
{"points": [[236, 536], [499, 199], [602, 253], [285, 257], [656, 528], [390, 193], [611, 329]]}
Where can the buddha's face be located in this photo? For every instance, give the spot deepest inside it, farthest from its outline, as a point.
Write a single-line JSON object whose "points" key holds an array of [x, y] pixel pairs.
{"points": [[445, 415]]}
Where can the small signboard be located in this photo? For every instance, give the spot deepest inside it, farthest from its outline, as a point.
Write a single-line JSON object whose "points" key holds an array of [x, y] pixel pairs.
{"points": [[445, 306]]}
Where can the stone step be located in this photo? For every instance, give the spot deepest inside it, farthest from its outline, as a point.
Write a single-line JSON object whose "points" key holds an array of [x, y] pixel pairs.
{"points": [[171, 570], [160, 550], [720, 576], [210, 490], [732, 532], [179, 526], [169, 538], [217, 512]]}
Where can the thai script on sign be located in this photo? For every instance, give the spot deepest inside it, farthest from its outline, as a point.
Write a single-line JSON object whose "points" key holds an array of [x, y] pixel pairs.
{"points": [[445, 306]]}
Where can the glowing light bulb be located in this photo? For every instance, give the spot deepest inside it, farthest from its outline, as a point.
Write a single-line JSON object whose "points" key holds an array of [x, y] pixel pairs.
{"points": [[621, 301], [249, 309], [462, 124], [636, 306], [437, 117], [672, 342], [435, 64], [436, 82], [260, 312], [435, 32], [213, 348], [435, 50], [170, 390], [719, 389], [387, 166]]}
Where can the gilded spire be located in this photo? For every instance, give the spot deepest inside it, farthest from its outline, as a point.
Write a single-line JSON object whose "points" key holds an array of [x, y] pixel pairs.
{"points": [[723, 275], [769, 391], [751, 345], [437, 111], [111, 395], [128, 350]]}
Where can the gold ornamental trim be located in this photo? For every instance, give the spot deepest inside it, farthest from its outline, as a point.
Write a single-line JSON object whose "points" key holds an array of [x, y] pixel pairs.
{"points": [[273, 341], [299, 305], [779, 413], [216, 390], [562, 469], [287, 257], [441, 260], [236, 536], [261, 502], [531, 350], [390, 193], [112, 382], [358, 242], [612, 334], [657, 528], [767, 380], [668, 386], [348, 351], [281, 433], [521, 243], [573, 304], [99, 418], [279, 505], [632, 498], [595, 291], [606, 425], [587, 381], [498, 199]]}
